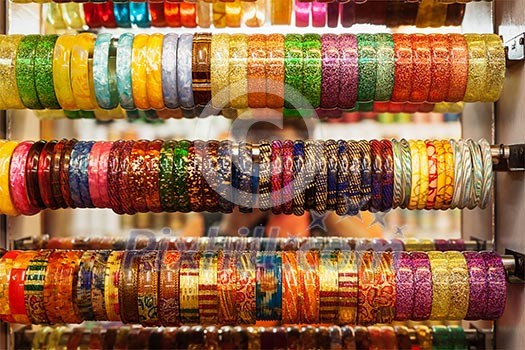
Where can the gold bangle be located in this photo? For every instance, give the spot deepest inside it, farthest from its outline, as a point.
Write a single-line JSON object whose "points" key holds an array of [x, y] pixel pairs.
{"points": [[81, 68], [424, 337], [416, 175], [233, 13], [239, 71], [424, 173], [9, 98], [219, 14], [154, 71], [477, 68], [440, 286], [348, 287], [329, 286], [220, 69], [189, 288], [275, 71], [495, 69], [281, 11], [208, 294], [6, 204], [62, 72], [459, 284], [386, 291], [139, 75], [111, 294]]}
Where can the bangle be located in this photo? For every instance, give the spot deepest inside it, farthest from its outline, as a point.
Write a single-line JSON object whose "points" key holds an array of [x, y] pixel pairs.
{"points": [[137, 177], [440, 285], [348, 15], [399, 175], [332, 17], [256, 68], [17, 179], [219, 70], [208, 288], [450, 174], [34, 287], [440, 67], [459, 68], [103, 173], [385, 67], [128, 286], [122, 14], [124, 83], [288, 176], [64, 173], [172, 14], [321, 178], [61, 71], [351, 202], [111, 283], [281, 12], [10, 98], [139, 14], [403, 68], [98, 285], [92, 15], [204, 14], [6, 265], [226, 288], [147, 293], [329, 286], [312, 69], [181, 165], [219, 14], [33, 191], [367, 288], [265, 176], [386, 289], [169, 70], [476, 174], [423, 337], [276, 177], [424, 175], [477, 279], [422, 69], [423, 286], [78, 175], [290, 288], [224, 186], [195, 179], [495, 68], [458, 284], [463, 175], [319, 13], [367, 66], [294, 65], [298, 199], [441, 176], [405, 287], [238, 70], [152, 176], [84, 284], [488, 175], [189, 287], [245, 294], [125, 178], [269, 286], [25, 69], [43, 68], [156, 11], [388, 175], [245, 169], [188, 15], [308, 265], [233, 11], [139, 72], [366, 174], [81, 79], [302, 13], [348, 287], [275, 70], [44, 175], [184, 70], [254, 13], [169, 289], [376, 203], [65, 304], [114, 177], [343, 176], [93, 174], [441, 338], [477, 67], [17, 306], [416, 175], [103, 75], [496, 286], [201, 69], [331, 67], [310, 169]]}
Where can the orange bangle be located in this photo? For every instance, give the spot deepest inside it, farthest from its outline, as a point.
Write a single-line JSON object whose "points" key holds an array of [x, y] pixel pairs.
{"points": [[233, 11], [34, 287], [16, 287], [386, 289], [281, 11], [226, 288], [367, 288], [51, 282], [154, 71], [148, 277], [246, 283], [6, 264], [275, 71], [111, 280], [169, 289], [139, 76], [188, 14], [449, 182], [290, 288], [257, 71], [66, 288], [308, 265]]}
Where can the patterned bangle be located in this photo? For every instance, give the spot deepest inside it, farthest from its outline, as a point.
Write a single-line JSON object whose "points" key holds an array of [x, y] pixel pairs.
{"points": [[416, 175], [385, 67], [476, 174], [287, 162], [477, 68], [298, 199], [343, 177], [102, 174], [208, 288], [256, 68], [423, 286], [348, 287], [244, 169], [17, 306], [265, 176], [124, 82], [78, 175], [331, 66], [169, 301], [219, 71], [189, 287], [17, 180], [290, 288], [10, 95], [84, 284], [458, 284], [147, 293], [169, 70], [441, 67], [184, 71], [181, 175], [468, 176], [294, 65], [312, 69], [6, 264], [34, 287], [495, 68], [496, 285], [201, 64], [33, 157], [114, 176], [349, 71], [44, 175], [398, 193], [25, 69], [441, 176], [432, 174], [65, 288], [238, 71], [386, 289], [104, 78], [405, 286], [366, 271], [353, 200], [367, 51], [98, 285], [376, 203], [226, 287], [269, 286], [166, 177], [321, 179], [139, 75], [111, 291], [210, 173], [128, 286], [329, 286], [441, 290], [450, 174], [459, 69], [195, 179], [81, 80], [308, 265], [245, 294], [406, 162], [403, 68], [330, 154], [388, 175], [275, 70], [224, 187], [366, 174], [421, 74], [488, 176]]}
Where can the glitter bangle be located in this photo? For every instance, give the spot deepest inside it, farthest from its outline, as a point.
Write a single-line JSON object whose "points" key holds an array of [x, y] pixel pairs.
{"points": [[495, 68], [10, 98], [376, 203], [320, 184], [348, 71], [136, 176], [194, 171], [169, 70], [298, 199], [496, 286], [224, 187], [477, 67], [124, 82], [404, 301], [25, 71], [152, 166], [441, 67], [423, 286], [219, 71], [245, 296], [422, 68], [111, 292], [180, 173], [238, 71], [385, 67], [169, 301], [403, 68], [184, 70], [294, 65], [441, 288], [330, 86], [367, 51], [290, 288], [308, 265], [477, 279], [265, 176], [329, 286], [256, 67], [459, 68], [312, 69], [226, 285], [275, 70], [458, 284]]}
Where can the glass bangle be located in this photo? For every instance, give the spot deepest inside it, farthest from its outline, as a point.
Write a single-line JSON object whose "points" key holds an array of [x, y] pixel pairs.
{"points": [[25, 72], [9, 96], [105, 86]]}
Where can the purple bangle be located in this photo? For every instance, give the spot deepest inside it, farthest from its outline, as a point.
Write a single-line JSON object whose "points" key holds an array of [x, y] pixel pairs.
{"points": [[404, 269], [441, 245], [332, 18], [457, 244], [330, 82], [477, 271], [422, 286], [496, 285], [277, 176], [287, 159], [396, 245], [348, 70]]}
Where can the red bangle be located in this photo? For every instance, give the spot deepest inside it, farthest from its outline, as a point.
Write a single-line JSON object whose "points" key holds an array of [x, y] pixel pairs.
{"points": [[92, 15], [152, 176], [403, 69], [441, 63], [459, 67], [277, 176], [33, 191], [17, 277], [64, 172], [17, 180], [172, 14], [288, 177], [55, 173], [367, 288], [348, 16], [44, 175], [94, 191], [156, 11], [124, 183], [188, 14], [107, 15], [34, 287], [6, 264], [136, 170], [422, 67], [114, 176]]}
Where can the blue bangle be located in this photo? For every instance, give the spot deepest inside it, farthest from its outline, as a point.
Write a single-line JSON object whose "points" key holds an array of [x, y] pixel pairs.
{"points": [[105, 85], [269, 297], [169, 70], [125, 48], [122, 15], [184, 70], [139, 14], [78, 174], [331, 152]]}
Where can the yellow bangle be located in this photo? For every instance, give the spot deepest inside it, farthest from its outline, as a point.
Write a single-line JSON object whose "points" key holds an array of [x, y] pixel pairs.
{"points": [[138, 71], [441, 174], [440, 285], [329, 286], [449, 173], [423, 176], [220, 69], [495, 69], [6, 264], [62, 73], [281, 11], [204, 14], [154, 71], [111, 294], [254, 13], [233, 14], [189, 288], [426, 245], [239, 71], [72, 16], [459, 284], [477, 67], [416, 175], [424, 337], [6, 204], [9, 98], [82, 71], [219, 14]]}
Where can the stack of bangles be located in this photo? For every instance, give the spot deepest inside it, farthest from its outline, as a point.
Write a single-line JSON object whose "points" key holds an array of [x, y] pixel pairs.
{"points": [[204, 74], [172, 287], [286, 177], [224, 338]]}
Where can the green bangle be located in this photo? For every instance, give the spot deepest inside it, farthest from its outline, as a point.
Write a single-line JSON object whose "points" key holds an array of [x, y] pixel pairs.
{"points": [[313, 69], [166, 178], [25, 71], [458, 340], [385, 66], [293, 71], [441, 338], [367, 66], [72, 114], [180, 175], [44, 71]]}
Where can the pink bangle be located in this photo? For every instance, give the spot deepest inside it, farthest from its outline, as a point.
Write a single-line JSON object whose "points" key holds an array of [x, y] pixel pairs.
{"points": [[496, 285], [404, 286], [331, 54], [477, 270], [302, 13], [319, 14], [103, 163], [348, 71], [422, 286], [17, 179], [93, 174]]}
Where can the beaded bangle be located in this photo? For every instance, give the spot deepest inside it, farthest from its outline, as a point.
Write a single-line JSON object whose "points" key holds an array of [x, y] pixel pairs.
{"points": [[111, 283], [124, 182], [189, 287], [208, 288], [495, 74], [477, 67], [441, 67], [476, 174], [6, 265], [84, 284], [376, 202], [98, 285], [385, 67], [124, 83], [290, 288], [226, 287], [34, 287], [347, 278], [25, 68], [33, 157], [139, 74], [147, 293], [308, 265], [366, 294], [256, 68], [184, 71], [312, 69], [224, 187], [17, 306], [201, 54], [321, 178], [458, 284], [496, 285], [169, 70], [459, 69], [329, 286], [168, 301], [128, 286], [331, 66], [423, 286], [294, 66], [114, 176], [78, 175], [219, 71], [441, 289], [44, 175], [403, 68], [404, 301], [348, 71], [245, 295], [275, 70], [17, 180], [81, 79], [265, 175], [103, 76], [367, 51], [9, 98], [488, 176]]}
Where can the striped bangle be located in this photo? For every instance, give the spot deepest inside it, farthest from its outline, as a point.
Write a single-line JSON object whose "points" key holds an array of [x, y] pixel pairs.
{"points": [[348, 287], [376, 203], [386, 289], [320, 180], [34, 287], [208, 288], [488, 176], [329, 286], [308, 265], [310, 169], [224, 187], [331, 152], [269, 286], [16, 282], [476, 174], [265, 175], [245, 167], [288, 176], [366, 174], [298, 200], [189, 288], [343, 177]]}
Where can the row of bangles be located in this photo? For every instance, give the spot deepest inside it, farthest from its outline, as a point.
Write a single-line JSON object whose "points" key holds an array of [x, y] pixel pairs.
{"points": [[237, 13], [282, 176], [205, 74], [438, 337], [172, 288]]}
